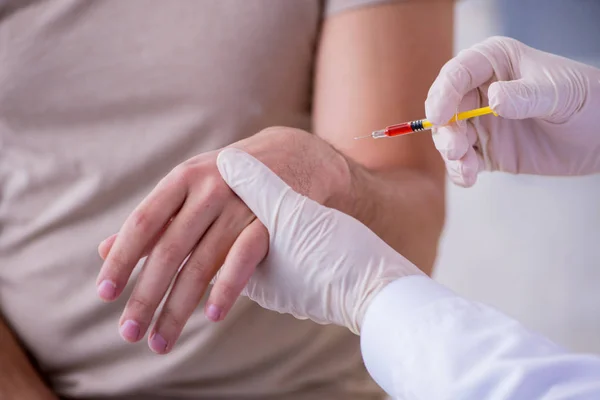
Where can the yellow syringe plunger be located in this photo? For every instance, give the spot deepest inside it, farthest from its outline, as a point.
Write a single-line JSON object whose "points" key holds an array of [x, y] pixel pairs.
{"points": [[478, 112]]}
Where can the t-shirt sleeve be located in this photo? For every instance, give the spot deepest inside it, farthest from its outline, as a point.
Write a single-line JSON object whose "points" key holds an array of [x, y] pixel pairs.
{"points": [[333, 7]]}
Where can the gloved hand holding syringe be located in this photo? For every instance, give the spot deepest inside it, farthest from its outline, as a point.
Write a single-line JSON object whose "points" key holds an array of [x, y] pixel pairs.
{"points": [[547, 109]]}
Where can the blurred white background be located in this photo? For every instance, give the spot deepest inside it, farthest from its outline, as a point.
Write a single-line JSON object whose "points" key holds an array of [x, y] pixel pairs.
{"points": [[530, 246]]}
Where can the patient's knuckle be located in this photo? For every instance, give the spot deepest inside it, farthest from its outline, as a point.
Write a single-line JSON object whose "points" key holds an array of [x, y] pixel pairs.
{"points": [[215, 185], [169, 254], [118, 261], [198, 272], [247, 257], [141, 306], [171, 317], [185, 173], [215, 192], [228, 289], [141, 221], [193, 215]]}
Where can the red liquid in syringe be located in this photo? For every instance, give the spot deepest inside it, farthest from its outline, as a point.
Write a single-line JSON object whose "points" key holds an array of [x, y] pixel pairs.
{"points": [[399, 129]]}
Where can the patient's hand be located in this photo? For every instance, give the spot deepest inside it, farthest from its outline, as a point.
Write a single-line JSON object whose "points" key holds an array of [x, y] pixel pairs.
{"points": [[193, 212]]}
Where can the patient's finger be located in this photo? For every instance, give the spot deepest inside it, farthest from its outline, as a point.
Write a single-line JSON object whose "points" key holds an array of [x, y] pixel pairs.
{"points": [[105, 246], [247, 252], [195, 275], [182, 235], [140, 228]]}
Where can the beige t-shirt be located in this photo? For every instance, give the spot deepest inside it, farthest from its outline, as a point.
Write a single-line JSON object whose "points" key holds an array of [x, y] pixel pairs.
{"points": [[98, 101]]}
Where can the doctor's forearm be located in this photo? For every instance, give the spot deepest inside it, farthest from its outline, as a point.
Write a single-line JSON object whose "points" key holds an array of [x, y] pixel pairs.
{"points": [[420, 338], [18, 379]]}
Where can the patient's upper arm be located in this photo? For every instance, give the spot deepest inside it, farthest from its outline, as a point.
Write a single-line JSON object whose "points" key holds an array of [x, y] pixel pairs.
{"points": [[374, 68]]}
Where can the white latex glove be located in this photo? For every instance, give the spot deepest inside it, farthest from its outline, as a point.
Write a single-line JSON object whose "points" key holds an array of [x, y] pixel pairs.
{"points": [[322, 264], [550, 107]]}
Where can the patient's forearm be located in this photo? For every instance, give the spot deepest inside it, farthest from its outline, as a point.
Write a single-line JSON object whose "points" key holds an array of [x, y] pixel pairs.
{"points": [[405, 207], [18, 379], [374, 69]]}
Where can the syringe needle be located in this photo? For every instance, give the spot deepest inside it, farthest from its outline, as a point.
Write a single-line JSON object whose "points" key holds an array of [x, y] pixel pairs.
{"points": [[363, 137]]}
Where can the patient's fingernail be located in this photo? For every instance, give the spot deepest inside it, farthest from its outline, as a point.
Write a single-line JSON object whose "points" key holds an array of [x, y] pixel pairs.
{"points": [[107, 290], [158, 344], [130, 330], [213, 312]]}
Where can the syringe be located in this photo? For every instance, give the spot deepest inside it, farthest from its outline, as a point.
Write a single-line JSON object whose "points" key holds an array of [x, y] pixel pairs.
{"points": [[424, 124]]}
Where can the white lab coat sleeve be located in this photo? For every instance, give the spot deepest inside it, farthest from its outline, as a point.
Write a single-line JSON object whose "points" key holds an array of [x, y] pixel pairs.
{"points": [[422, 341]]}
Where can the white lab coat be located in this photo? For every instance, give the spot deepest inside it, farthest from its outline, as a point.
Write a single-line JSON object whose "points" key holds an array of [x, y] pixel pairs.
{"points": [[421, 341]]}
